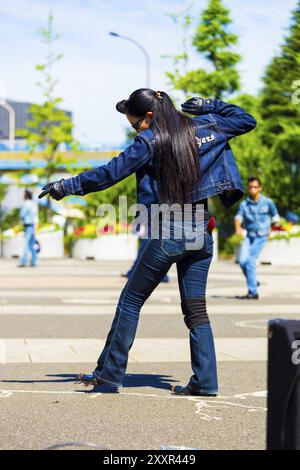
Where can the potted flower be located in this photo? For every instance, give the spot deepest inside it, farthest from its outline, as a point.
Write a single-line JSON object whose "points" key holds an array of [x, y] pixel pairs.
{"points": [[106, 240]]}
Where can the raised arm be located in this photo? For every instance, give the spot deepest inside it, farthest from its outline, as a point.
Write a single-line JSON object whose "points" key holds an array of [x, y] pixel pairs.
{"points": [[231, 119]]}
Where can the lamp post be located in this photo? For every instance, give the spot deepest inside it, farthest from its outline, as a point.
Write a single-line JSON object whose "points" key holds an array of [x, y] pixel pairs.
{"points": [[11, 123], [147, 58], [11, 115]]}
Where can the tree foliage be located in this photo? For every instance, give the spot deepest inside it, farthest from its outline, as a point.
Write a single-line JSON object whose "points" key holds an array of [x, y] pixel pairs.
{"points": [[280, 111], [213, 41], [49, 127], [126, 187]]}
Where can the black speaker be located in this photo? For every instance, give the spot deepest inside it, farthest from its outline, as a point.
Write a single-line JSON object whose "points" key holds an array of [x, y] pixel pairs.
{"points": [[283, 418]]}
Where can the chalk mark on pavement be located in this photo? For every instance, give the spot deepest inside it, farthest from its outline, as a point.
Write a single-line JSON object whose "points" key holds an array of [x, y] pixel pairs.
{"points": [[202, 405]]}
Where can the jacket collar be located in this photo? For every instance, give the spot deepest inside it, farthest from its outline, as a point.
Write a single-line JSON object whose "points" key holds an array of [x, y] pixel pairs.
{"points": [[250, 201]]}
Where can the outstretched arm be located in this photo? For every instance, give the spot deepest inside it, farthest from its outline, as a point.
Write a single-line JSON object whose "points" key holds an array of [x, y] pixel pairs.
{"points": [[134, 157]]}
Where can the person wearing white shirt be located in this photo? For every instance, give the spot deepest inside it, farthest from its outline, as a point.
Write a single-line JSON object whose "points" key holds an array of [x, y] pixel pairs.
{"points": [[29, 217]]}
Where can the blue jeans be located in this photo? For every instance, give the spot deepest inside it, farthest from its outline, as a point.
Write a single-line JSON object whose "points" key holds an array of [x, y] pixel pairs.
{"points": [[156, 258], [143, 242], [29, 245], [250, 251]]}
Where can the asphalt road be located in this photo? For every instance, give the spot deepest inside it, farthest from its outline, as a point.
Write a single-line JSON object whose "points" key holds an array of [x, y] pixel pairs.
{"points": [[49, 308]]}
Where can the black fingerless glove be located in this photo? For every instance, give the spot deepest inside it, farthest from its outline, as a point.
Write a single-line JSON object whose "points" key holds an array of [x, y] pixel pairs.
{"points": [[193, 106], [197, 106], [55, 189]]}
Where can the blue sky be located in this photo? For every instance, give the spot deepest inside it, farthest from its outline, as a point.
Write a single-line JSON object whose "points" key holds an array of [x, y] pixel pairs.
{"points": [[98, 70]]}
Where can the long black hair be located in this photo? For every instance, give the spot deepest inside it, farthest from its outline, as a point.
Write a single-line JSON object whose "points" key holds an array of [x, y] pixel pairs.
{"points": [[176, 159]]}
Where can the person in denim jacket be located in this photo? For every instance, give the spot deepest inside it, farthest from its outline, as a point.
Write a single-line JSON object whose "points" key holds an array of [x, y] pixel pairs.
{"points": [[255, 215], [178, 160]]}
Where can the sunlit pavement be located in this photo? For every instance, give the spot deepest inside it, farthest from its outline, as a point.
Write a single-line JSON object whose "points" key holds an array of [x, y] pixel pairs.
{"points": [[54, 321]]}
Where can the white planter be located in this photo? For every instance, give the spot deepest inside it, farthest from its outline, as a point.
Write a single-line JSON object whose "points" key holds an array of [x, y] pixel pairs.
{"points": [[284, 252], [108, 247], [52, 245], [279, 252], [119, 247]]}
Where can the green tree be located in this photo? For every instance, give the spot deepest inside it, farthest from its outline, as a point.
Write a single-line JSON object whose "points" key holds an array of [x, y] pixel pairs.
{"points": [[180, 61], [249, 153], [130, 135], [213, 40], [251, 157], [280, 110], [126, 187], [49, 126], [3, 191]]}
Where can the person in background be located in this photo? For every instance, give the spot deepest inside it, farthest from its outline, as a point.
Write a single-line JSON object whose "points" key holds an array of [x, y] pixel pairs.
{"points": [[29, 217], [255, 215]]}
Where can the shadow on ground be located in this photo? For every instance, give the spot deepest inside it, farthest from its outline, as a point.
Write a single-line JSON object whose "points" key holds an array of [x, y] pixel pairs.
{"points": [[131, 380]]}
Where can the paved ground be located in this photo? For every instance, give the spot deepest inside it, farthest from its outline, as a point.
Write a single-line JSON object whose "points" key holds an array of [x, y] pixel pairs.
{"points": [[54, 319]]}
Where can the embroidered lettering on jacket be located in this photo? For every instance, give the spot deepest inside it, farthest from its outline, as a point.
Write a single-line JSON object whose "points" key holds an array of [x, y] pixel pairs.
{"points": [[205, 140]]}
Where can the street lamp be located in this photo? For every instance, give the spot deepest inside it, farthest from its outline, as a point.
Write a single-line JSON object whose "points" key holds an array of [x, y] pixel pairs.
{"points": [[147, 58], [11, 115], [11, 122]]}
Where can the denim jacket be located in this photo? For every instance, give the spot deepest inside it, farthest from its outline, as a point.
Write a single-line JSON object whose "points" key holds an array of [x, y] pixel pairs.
{"points": [[257, 216], [220, 176]]}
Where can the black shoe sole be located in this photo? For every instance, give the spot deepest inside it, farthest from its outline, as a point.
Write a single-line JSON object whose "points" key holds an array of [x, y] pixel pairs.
{"points": [[194, 394]]}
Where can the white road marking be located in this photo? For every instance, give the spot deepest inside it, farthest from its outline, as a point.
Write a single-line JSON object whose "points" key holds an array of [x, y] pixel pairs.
{"points": [[257, 324], [259, 394]]}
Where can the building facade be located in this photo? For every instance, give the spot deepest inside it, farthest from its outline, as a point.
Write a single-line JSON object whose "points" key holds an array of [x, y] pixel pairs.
{"points": [[21, 115]]}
